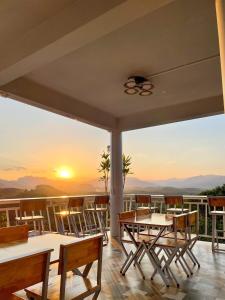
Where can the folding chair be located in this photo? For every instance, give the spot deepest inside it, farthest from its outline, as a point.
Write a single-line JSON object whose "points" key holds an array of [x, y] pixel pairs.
{"points": [[134, 239], [22, 272], [191, 237], [177, 203], [172, 247], [67, 286], [218, 204], [31, 211], [100, 210], [73, 214]]}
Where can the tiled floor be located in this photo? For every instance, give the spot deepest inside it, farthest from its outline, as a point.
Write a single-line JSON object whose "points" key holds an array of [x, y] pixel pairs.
{"points": [[207, 283]]}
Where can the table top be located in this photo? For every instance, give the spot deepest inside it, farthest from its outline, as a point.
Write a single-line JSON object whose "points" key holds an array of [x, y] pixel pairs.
{"points": [[35, 244], [154, 219]]}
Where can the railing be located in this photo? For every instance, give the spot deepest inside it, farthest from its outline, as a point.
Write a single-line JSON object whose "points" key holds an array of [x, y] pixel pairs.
{"points": [[9, 209]]}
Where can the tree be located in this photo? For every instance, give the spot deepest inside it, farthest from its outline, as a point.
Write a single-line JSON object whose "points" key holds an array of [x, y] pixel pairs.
{"points": [[217, 191], [104, 169], [126, 167]]}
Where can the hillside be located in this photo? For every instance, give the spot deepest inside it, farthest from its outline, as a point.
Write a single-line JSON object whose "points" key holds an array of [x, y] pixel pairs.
{"points": [[38, 191]]}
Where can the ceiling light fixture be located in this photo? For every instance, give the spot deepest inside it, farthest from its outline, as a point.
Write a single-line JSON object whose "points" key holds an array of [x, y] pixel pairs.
{"points": [[138, 85]]}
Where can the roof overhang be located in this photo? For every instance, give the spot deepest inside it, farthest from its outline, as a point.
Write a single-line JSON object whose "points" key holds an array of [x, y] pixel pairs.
{"points": [[73, 60]]}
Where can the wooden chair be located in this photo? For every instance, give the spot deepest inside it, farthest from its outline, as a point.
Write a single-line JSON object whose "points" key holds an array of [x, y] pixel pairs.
{"points": [[31, 211], [177, 203], [72, 256], [144, 201], [75, 209], [191, 236], [216, 208], [136, 240], [100, 210], [173, 248], [14, 234], [22, 272]]}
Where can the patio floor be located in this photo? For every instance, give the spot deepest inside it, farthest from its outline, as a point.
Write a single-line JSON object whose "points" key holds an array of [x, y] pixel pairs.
{"points": [[207, 283]]}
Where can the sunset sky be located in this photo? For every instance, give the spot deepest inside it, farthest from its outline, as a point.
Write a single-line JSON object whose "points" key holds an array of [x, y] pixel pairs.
{"points": [[38, 143]]}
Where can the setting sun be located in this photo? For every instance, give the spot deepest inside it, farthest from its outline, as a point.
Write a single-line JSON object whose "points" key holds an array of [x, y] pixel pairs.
{"points": [[65, 173]]}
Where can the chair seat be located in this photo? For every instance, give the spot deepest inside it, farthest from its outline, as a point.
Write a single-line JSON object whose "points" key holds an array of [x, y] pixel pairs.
{"points": [[139, 238], [177, 210], [75, 287], [170, 243], [180, 236], [66, 213], [30, 218], [151, 232], [99, 209]]}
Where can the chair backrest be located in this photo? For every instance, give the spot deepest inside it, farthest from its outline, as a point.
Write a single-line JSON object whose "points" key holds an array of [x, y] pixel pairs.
{"points": [[174, 200], [180, 222], [101, 200], [143, 199], [193, 221], [126, 215], [143, 212], [22, 272], [216, 201], [14, 234], [78, 254], [30, 206], [76, 202]]}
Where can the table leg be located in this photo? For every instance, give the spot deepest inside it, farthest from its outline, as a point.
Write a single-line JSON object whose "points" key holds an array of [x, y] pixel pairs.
{"points": [[213, 232]]}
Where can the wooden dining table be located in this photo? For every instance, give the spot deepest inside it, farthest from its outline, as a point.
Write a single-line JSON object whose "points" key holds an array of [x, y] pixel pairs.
{"points": [[162, 222], [35, 244]]}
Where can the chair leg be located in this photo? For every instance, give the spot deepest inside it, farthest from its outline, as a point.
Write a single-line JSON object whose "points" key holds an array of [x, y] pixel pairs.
{"points": [[96, 294]]}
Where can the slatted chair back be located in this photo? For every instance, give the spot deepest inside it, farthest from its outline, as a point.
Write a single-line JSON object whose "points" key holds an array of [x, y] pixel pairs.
{"points": [[193, 222], [174, 200], [143, 199], [29, 206], [123, 216], [24, 271], [14, 234], [216, 201], [76, 202], [78, 254], [126, 215], [180, 224], [143, 212], [174, 204], [102, 200]]}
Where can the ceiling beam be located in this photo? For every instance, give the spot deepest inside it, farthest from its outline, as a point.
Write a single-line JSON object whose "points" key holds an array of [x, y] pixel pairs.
{"points": [[31, 93], [79, 24], [175, 113]]}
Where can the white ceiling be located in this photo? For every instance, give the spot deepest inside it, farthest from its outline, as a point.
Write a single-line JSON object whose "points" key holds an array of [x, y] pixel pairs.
{"points": [[176, 46]]}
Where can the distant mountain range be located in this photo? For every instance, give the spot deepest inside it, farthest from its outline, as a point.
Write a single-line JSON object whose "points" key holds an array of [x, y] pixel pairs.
{"points": [[199, 182], [190, 185]]}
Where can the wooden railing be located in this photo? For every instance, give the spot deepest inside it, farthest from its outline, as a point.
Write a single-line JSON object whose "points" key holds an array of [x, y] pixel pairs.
{"points": [[9, 209]]}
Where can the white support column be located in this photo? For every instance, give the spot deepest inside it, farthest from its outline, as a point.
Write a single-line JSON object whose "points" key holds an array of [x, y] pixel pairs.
{"points": [[220, 15], [116, 190]]}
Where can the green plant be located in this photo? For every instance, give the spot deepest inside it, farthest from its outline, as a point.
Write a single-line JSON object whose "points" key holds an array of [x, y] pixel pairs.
{"points": [[126, 167], [104, 169]]}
